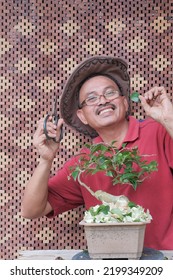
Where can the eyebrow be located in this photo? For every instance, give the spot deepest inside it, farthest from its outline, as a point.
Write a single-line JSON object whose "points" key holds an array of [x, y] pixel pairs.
{"points": [[105, 89]]}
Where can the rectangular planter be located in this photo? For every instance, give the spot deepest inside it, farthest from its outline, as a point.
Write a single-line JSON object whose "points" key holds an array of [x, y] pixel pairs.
{"points": [[114, 240]]}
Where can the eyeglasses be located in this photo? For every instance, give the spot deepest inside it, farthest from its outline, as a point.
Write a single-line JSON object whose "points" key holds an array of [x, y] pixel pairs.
{"points": [[95, 99]]}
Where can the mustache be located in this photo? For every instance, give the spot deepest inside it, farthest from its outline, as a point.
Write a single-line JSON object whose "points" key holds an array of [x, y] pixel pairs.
{"points": [[102, 106]]}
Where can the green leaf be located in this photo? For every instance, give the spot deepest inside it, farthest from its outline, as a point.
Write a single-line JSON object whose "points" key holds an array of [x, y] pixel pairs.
{"points": [[75, 174], [131, 204], [152, 166], [101, 209], [135, 97], [110, 173]]}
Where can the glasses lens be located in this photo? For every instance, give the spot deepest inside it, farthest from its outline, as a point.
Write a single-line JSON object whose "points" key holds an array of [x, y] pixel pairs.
{"points": [[92, 100], [111, 94]]}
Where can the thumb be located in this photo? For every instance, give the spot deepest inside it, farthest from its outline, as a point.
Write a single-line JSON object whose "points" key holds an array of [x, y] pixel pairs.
{"points": [[144, 103], [59, 132]]}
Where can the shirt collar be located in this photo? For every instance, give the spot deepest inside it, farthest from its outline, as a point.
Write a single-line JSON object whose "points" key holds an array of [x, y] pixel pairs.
{"points": [[132, 133]]}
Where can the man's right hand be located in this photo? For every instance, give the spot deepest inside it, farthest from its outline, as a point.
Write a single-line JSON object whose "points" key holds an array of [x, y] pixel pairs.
{"points": [[47, 149]]}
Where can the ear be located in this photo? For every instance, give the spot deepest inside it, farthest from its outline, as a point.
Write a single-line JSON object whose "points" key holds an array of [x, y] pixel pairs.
{"points": [[81, 116], [126, 104]]}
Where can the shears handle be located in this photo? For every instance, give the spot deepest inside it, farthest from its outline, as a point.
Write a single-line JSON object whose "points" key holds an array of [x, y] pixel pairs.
{"points": [[46, 132]]}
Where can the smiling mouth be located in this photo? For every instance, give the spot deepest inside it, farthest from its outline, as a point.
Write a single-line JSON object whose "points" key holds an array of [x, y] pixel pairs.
{"points": [[105, 109]]}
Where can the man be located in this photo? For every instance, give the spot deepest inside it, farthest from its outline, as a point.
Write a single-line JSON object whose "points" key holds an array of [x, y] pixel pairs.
{"points": [[95, 101]]}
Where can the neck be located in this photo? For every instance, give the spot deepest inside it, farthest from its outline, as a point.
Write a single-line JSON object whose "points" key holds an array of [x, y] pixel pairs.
{"points": [[114, 133]]}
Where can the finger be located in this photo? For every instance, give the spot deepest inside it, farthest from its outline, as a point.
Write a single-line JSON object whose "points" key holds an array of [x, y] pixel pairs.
{"points": [[39, 130], [149, 95], [50, 132], [144, 103], [153, 93], [40, 122], [50, 127], [60, 123], [59, 133], [158, 91], [39, 126]]}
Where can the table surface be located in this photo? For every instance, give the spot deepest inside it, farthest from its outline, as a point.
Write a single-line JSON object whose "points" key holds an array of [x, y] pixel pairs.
{"points": [[64, 254]]}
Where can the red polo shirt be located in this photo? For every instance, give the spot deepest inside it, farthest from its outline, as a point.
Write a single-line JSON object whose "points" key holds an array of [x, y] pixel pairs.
{"points": [[155, 193]]}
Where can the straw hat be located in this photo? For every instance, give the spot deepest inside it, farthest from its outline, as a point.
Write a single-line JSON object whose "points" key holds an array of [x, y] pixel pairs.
{"points": [[114, 68]]}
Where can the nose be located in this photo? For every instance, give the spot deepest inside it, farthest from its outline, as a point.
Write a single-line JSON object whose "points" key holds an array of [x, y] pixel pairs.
{"points": [[102, 99]]}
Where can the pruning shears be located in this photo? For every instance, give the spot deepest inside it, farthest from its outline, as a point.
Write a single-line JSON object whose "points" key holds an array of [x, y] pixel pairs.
{"points": [[55, 119]]}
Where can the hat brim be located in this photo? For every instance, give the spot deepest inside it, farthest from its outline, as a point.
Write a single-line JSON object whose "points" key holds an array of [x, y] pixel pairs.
{"points": [[115, 68]]}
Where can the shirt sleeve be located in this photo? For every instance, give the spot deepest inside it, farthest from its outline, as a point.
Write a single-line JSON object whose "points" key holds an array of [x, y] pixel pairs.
{"points": [[168, 147], [63, 192]]}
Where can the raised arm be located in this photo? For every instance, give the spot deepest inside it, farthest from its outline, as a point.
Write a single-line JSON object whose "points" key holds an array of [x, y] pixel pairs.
{"points": [[158, 106], [34, 203]]}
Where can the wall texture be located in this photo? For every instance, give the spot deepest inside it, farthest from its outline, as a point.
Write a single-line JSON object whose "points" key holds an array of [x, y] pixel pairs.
{"points": [[40, 43]]}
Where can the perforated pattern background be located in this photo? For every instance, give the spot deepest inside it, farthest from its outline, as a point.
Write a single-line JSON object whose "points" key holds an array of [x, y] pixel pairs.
{"points": [[40, 43]]}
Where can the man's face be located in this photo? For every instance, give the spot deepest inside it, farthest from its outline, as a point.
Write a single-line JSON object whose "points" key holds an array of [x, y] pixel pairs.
{"points": [[106, 112]]}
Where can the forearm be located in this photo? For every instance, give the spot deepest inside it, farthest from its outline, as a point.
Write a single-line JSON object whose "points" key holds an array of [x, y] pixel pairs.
{"points": [[168, 124], [35, 197]]}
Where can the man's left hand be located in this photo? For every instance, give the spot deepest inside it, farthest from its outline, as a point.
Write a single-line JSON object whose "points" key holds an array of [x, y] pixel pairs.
{"points": [[157, 104]]}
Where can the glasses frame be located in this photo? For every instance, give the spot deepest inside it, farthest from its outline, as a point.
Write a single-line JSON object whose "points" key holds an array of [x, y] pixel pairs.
{"points": [[84, 102]]}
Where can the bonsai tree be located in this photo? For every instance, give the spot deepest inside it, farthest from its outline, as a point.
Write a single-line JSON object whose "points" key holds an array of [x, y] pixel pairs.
{"points": [[124, 166]]}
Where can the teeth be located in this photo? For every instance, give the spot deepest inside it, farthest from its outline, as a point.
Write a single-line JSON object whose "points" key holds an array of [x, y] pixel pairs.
{"points": [[106, 110]]}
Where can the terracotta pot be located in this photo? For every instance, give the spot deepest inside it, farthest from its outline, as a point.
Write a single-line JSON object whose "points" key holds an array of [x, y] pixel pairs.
{"points": [[115, 240]]}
